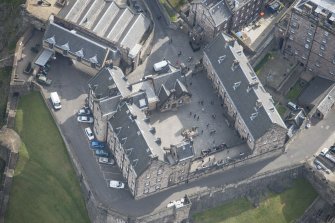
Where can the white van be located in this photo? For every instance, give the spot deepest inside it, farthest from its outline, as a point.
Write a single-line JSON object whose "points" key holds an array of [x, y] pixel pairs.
{"points": [[55, 100], [161, 65]]}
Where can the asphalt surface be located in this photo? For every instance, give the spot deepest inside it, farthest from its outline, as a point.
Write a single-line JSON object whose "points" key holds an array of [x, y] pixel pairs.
{"points": [[71, 85]]}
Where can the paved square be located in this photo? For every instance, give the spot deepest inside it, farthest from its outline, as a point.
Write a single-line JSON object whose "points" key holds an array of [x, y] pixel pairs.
{"points": [[169, 125]]}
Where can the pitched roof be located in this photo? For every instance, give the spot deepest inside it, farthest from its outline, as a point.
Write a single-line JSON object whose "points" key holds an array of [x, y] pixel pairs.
{"points": [[219, 13], [184, 151], [167, 79], [252, 102], [180, 88], [75, 44], [109, 82], [137, 141], [163, 95], [108, 20], [109, 105]]}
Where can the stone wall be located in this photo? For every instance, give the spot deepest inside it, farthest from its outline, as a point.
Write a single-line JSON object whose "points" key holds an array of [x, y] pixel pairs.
{"points": [[324, 187], [252, 187]]}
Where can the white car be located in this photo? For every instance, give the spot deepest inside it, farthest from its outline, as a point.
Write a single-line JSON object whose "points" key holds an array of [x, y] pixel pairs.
{"points": [[84, 111], [85, 119], [89, 133], [116, 184], [105, 160]]}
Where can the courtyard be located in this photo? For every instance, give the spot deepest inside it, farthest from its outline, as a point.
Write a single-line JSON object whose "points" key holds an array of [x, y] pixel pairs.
{"points": [[204, 113]]}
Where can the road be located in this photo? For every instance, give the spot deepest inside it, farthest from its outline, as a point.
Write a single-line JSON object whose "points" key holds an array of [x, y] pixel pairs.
{"points": [[72, 87]]}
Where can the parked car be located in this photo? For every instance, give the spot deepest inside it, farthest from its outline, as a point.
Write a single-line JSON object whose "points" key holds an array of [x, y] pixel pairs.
{"points": [[28, 68], [89, 133], [84, 111], [42, 79], [105, 160], [101, 153], [85, 119], [116, 184], [324, 151], [97, 145]]}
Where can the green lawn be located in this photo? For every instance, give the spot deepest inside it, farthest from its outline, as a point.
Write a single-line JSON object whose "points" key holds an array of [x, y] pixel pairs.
{"points": [[294, 92], [276, 208], [177, 3], [169, 10], [45, 187], [4, 90], [263, 61], [281, 109]]}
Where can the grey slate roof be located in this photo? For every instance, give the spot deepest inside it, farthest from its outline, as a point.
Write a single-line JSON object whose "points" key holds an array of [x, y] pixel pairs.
{"points": [[75, 43], [108, 20], [167, 79], [138, 142], [222, 52], [184, 151], [109, 82], [180, 88], [163, 95], [109, 105], [315, 91], [219, 13]]}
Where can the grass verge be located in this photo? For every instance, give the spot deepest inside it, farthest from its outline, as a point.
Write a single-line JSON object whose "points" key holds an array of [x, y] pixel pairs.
{"points": [[45, 187], [276, 208], [294, 92]]}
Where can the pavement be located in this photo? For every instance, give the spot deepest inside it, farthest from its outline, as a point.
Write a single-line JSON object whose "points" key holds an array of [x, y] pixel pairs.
{"points": [[167, 44], [71, 85]]}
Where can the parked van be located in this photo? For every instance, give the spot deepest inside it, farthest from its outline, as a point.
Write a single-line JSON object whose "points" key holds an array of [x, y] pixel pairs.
{"points": [[161, 65], [55, 100], [291, 105]]}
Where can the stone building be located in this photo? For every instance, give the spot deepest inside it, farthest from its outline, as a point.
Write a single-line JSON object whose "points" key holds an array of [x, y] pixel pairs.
{"points": [[165, 91], [121, 119], [119, 29], [106, 90], [243, 96], [145, 165], [210, 17], [309, 36]]}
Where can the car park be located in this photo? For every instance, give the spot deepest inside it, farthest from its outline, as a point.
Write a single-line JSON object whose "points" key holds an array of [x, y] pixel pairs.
{"points": [[85, 119], [97, 145], [116, 184], [84, 111], [89, 133], [105, 160], [101, 153]]}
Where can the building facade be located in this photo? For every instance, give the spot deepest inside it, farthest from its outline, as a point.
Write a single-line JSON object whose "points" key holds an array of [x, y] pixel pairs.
{"points": [[210, 17], [309, 37], [243, 96]]}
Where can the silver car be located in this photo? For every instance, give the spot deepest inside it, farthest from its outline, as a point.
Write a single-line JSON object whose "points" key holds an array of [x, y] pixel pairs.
{"points": [[85, 119]]}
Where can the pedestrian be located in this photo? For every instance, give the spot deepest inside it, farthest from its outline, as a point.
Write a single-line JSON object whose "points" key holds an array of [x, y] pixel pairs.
{"points": [[194, 115], [179, 53], [190, 113], [170, 40], [190, 83], [198, 118], [202, 132], [207, 125]]}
